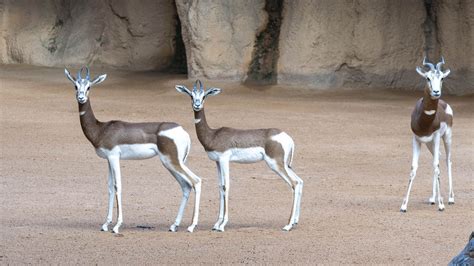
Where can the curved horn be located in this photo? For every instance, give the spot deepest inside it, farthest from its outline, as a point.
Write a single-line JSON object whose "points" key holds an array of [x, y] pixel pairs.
{"points": [[428, 64], [195, 88], [200, 85], [438, 66], [88, 77], [79, 74]]}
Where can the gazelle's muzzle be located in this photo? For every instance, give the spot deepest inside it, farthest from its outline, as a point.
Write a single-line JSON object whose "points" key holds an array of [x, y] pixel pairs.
{"points": [[197, 105]]}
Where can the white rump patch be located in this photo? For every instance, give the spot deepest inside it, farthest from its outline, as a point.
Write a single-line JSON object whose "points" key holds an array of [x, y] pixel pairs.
{"points": [[430, 112], [286, 143], [180, 138], [449, 111]]}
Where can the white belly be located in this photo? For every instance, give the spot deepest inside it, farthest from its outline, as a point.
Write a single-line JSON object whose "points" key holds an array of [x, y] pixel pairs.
{"points": [[130, 151], [441, 131], [239, 155]]}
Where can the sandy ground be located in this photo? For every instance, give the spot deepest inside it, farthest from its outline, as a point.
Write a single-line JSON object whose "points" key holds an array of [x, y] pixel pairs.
{"points": [[353, 150]]}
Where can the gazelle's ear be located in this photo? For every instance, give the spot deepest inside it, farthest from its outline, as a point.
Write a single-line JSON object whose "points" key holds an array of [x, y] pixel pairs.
{"points": [[212, 92], [446, 73], [99, 79], [182, 89], [69, 76], [421, 71]]}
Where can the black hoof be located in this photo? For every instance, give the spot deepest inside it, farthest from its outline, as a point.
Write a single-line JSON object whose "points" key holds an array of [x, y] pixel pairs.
{"points": [[432, 203], [450, 203], [403, 211]]}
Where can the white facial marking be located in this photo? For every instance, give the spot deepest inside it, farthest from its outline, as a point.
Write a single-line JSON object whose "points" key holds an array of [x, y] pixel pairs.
{"points": [[196, 121], [82, 113], [430, 112], [449, 111]]}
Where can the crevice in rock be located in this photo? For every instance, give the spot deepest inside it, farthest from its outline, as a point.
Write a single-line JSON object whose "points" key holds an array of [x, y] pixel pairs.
{"points": [[126, 21], [263, 67], [179, 63], [430, 30]]}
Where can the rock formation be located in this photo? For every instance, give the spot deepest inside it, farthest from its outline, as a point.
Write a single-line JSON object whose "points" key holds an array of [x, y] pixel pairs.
{"points": [[317, 44], [115, 33]]}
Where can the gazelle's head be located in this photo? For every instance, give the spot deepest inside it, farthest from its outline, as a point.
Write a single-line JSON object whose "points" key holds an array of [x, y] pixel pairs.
{"points": [[198, 95], [83, 85], [434, 77]]}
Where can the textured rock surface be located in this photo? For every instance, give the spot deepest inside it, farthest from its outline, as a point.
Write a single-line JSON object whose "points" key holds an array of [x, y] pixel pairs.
{"points": [[456, 41], [334, 43], [117, 33], [322, 43], [219, 36]]}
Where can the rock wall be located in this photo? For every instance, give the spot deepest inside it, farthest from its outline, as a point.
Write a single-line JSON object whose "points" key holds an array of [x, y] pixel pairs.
{"points": [[118, 33], [358, 43], [318, 43], [219, 36]]}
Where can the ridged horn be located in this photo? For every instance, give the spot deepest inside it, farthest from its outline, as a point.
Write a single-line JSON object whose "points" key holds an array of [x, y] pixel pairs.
{"points": [[195, 88], [438, 66], [428, 64], [88, 76]]}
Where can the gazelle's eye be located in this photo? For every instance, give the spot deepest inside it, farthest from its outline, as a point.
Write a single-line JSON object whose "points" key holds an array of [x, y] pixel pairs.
{"points": [[428, 79]]}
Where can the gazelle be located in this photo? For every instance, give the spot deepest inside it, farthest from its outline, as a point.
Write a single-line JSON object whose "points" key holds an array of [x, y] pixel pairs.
{"points": [[432, 120], [118, 140], [224, 145]]}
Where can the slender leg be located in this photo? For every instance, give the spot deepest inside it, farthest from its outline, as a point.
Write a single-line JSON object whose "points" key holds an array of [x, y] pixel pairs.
{"points": [[432, 199], [279, 168], [220, 178], [108, 221], [436, 174], [197, 189], [414, 167], [447, 147], [225, 185], [298, 191], [115, 165], [186, 188]]}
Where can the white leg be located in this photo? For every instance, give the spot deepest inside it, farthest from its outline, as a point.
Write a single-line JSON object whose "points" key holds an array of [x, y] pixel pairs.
{"points": [[197, 189], [281, 171], [115, 165], [186, 189], [447, 147], [108, 221], [225, 185], [432, 199], [298, 191], [436, 174], [220, 179], [414, 167]]}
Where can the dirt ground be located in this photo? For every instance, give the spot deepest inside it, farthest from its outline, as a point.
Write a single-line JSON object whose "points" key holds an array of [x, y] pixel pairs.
{"points": [[353, 150]]}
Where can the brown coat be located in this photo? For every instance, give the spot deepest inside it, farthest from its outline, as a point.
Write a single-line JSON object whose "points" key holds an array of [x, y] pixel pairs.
{"points": [[423, 124], [109, 134]]}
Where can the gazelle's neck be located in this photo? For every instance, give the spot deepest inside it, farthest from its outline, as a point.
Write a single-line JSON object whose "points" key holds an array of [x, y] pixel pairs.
{"points": [[203, 131], [90, 125], [430, 106]]}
